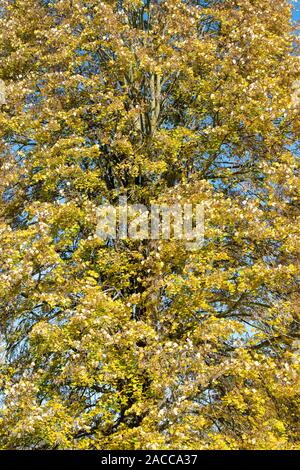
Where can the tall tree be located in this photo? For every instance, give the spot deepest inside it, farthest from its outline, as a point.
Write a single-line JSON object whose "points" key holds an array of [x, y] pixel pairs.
{"points": [[127, 344]]}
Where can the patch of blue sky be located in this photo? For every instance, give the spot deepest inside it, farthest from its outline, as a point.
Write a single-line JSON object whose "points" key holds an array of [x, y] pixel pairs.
{"points": [[296, 11]]}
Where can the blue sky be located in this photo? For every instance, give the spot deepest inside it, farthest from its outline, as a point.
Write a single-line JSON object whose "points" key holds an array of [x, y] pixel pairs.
{"points": [[297, 15], [297, 12]]}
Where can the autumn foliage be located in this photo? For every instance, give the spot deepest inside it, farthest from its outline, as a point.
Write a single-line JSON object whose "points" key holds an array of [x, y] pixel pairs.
{"points": [[125, 344]]}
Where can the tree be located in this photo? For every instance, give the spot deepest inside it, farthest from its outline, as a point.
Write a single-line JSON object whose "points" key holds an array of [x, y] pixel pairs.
{"points": [[144, 344]]}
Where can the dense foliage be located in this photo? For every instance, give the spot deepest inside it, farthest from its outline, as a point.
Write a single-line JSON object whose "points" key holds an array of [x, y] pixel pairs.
{"points": [[131, 344]]}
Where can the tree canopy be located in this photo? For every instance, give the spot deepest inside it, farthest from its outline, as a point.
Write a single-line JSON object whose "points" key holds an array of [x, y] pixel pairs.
{"points": [[144, 344]]}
